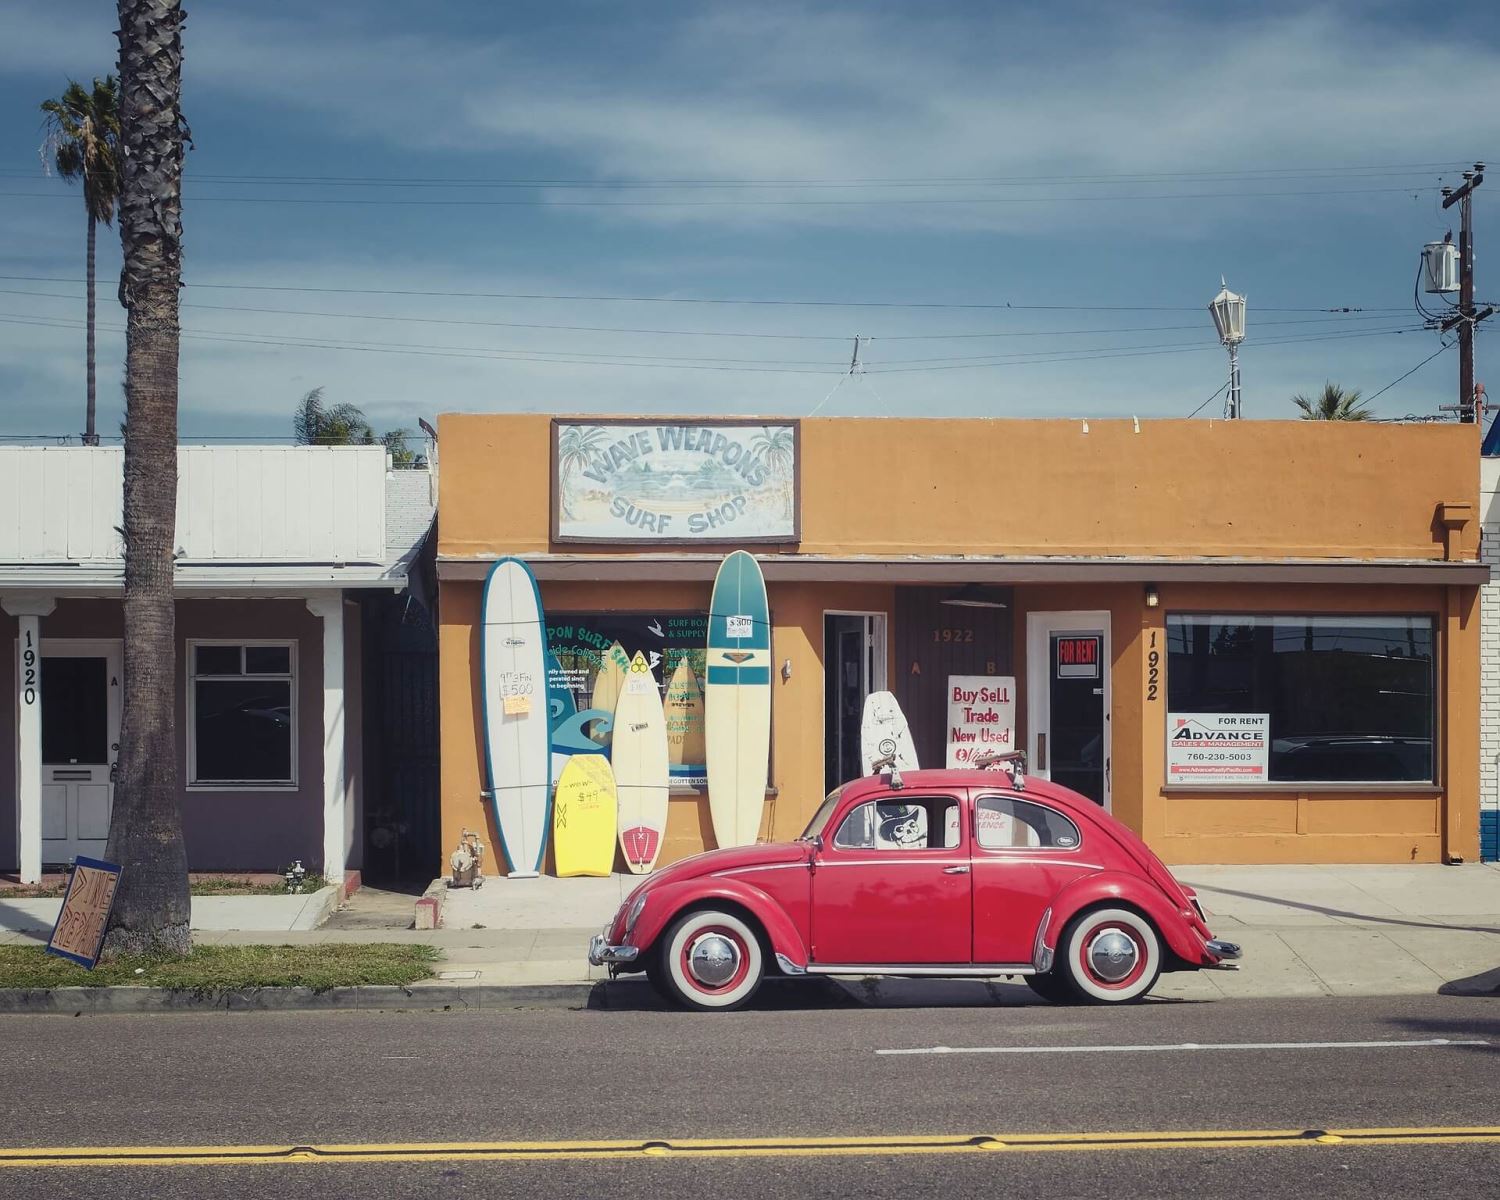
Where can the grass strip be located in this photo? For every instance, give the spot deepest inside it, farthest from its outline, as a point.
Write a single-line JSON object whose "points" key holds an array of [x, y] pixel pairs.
{"points": [[211, 969]]}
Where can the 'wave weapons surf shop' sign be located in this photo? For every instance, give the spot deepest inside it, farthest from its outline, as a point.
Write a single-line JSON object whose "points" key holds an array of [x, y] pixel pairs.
{"points": [[698, 481]]}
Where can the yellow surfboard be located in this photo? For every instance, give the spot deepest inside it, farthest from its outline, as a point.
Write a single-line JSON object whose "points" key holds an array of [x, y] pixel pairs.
{"points": [[583, 817], [607, 684], [683, 707]]}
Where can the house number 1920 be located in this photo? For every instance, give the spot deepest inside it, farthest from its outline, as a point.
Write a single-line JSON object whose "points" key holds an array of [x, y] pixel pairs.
{"points": [[1153, 669], [28, 672]]}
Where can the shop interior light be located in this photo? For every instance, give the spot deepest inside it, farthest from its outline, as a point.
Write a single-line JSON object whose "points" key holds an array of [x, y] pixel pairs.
{"points": [[971, 595]]}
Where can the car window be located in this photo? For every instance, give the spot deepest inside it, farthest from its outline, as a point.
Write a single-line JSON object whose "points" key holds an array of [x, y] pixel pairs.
{"points": [[825, 810], [920, 823], [1005, 823]]}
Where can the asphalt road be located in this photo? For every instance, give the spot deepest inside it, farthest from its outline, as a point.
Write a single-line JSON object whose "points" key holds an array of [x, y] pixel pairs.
{"points": [[398, 1083]]}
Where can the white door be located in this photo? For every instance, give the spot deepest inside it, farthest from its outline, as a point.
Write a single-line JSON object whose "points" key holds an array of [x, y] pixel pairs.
{"points": [[80, 742], [853, 667], [1067, 700]]}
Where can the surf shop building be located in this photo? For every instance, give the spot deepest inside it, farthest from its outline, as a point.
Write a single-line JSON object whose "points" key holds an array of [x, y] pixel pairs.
{"points": [[1253, 642]]}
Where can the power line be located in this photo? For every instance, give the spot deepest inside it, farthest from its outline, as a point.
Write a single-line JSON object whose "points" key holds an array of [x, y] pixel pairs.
{"points": [[777, 303], [713, 333], [1413, 371], [1219, 391]]}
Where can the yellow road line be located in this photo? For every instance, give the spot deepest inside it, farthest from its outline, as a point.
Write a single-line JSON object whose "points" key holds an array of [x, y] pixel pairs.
{"points": [[788, 1147]]}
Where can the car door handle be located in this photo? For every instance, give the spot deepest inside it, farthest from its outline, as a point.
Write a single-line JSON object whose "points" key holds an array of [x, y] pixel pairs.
{"points": [[961, 870]]}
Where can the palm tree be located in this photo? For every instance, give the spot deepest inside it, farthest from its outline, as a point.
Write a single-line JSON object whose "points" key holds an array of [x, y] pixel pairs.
{"points": [[576, 446], [151, 907], [777, 446], [316, 424], [1333, 404], [83, 142]]}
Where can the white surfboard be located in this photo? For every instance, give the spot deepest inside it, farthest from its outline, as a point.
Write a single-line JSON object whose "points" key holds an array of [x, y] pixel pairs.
{"points": [[883, 731], [513, 679], [737, 700], [639, 757], [607, 684]]}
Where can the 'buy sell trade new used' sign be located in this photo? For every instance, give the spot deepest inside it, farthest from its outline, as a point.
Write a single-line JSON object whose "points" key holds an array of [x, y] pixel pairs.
{"points": [[981, 716]]}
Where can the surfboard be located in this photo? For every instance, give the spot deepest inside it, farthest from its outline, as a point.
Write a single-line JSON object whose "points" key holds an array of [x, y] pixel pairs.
{"points": [[737, 700], [513, 679], [639, 755], [883, 731], [607, 684], [583, 817], [683, 708]]}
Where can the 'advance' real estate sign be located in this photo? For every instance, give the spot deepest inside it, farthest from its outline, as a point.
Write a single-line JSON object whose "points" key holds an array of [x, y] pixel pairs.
{"points": [[1217, 748], [981, 716], [689, 481]]}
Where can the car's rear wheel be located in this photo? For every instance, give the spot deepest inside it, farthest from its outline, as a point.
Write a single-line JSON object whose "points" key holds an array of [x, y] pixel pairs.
{"points": [[1109, 956], [709, 959]]}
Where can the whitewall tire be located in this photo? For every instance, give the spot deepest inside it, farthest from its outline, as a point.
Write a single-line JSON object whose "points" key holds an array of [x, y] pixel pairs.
{"points": [[711, 960], [1110, 956]]}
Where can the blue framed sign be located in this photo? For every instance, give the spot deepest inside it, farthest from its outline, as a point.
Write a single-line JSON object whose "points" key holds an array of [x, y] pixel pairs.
{"points": [[78, 935]]}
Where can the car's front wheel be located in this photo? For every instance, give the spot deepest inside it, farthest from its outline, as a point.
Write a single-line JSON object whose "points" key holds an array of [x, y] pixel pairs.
{"points": [[1109, 956], [709, 959]]}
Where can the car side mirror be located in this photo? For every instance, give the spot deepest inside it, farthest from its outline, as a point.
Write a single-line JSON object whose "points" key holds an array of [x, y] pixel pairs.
{"points": [[817, 842]]}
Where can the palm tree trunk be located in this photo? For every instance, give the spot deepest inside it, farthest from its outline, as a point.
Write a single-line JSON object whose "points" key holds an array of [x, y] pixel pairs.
{"points": [[90, 438], [145, 835]]}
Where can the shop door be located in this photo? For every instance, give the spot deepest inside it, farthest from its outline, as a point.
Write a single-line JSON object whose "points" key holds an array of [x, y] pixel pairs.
{"points": [[80, 741], [853, 667], [1067, 700]]}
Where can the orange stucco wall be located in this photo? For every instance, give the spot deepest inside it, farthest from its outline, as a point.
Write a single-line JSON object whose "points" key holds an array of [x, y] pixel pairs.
{"points": [[1176, 488]]}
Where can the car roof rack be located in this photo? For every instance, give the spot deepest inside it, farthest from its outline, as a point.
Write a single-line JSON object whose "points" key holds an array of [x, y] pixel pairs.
{"points": [[1013, 762], [888, 765]]}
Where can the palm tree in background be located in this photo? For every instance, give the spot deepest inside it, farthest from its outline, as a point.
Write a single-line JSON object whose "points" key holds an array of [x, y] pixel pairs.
{"points": [[777, 446], [317, 424], [83, 143], [1333, 404], [151, 907]]}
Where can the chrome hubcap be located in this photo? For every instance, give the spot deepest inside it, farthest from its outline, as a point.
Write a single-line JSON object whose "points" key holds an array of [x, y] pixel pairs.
{"points": [[1112, 955], [713, 959]]}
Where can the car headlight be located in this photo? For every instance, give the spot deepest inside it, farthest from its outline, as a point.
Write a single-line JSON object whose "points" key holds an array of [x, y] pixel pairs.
{"points": [[634, 912]]}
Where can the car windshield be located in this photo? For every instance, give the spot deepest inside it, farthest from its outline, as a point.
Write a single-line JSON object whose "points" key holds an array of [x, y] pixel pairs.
{"points": [[820, 818]]}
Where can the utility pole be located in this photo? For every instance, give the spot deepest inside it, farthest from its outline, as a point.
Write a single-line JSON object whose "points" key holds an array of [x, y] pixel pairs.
{"points": [[1466, 318]]}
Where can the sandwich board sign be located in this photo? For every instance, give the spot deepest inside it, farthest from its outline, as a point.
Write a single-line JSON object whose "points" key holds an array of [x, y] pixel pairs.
{"points": [[79, 933]]}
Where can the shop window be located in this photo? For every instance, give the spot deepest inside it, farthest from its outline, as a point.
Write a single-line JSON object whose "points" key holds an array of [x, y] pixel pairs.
{"points": [[1004, 823], [918, 824], [242, 714], [1348, 699]]}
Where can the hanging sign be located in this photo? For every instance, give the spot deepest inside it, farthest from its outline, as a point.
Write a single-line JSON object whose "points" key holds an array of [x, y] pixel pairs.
{"points": [[688, 481], [1216, 749], [1077, 657], [79, 933], [981, 716]]}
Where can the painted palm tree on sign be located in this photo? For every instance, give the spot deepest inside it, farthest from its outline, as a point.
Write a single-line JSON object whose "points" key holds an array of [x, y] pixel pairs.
{"points": [[777, 445], [151, 908], [1333, 403], [576, 446], [83, 143]]}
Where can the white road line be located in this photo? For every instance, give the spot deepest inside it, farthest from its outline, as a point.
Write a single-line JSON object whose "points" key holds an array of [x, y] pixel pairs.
{"points": [[1157, 1049]]}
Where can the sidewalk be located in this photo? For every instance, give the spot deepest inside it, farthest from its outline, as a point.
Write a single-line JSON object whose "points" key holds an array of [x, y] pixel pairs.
{"points": [[1306, 931]]}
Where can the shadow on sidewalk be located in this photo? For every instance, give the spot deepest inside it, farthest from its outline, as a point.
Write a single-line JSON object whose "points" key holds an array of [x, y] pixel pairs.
{"points": [[1362, 918]]}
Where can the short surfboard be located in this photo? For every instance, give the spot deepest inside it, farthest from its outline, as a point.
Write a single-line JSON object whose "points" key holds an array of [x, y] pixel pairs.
{"points": [[514, 707], [883, 732], [737, 700], [640, 760], [683, 707], [583, 817], [607, 684]]}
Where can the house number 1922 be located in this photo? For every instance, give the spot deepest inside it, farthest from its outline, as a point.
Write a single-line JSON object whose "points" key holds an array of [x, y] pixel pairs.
{"points": [[1153, 670], [28, 672]]}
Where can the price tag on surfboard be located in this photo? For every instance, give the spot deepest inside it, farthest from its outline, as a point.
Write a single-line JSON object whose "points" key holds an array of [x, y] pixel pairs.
{"points": [[517, 706], [739, 626]]}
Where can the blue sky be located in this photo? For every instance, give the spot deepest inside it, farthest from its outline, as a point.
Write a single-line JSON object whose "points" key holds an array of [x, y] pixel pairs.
{"points": [[1102, 164]]}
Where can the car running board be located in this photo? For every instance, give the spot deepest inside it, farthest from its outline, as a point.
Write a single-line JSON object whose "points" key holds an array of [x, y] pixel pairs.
{"points": [[954, 972]]}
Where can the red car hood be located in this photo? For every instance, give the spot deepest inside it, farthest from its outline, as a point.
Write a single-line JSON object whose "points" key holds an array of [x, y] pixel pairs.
{"points": [[713, 861]]}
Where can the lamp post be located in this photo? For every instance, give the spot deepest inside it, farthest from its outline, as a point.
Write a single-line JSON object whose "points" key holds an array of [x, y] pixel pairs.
{"points": [[1229, 319]]}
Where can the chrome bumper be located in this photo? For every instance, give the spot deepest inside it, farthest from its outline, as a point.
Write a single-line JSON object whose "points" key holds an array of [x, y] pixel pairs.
{"points": [[1228, 954], [601, 953]]}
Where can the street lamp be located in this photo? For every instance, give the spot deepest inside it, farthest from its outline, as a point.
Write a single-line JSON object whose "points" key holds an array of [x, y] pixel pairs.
{"points": [[1229, 319]]}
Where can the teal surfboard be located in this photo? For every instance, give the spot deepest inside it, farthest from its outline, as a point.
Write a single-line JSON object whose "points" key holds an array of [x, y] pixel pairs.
{"points": [[737, 700]]}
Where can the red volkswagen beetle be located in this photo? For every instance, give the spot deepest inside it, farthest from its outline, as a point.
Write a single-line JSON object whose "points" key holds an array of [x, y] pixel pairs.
{"points": [[978, 873]]}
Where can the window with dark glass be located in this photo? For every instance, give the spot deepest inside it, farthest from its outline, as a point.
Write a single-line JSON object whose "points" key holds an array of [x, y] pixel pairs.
{"points": [[1350, 698], [242, 714]]}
